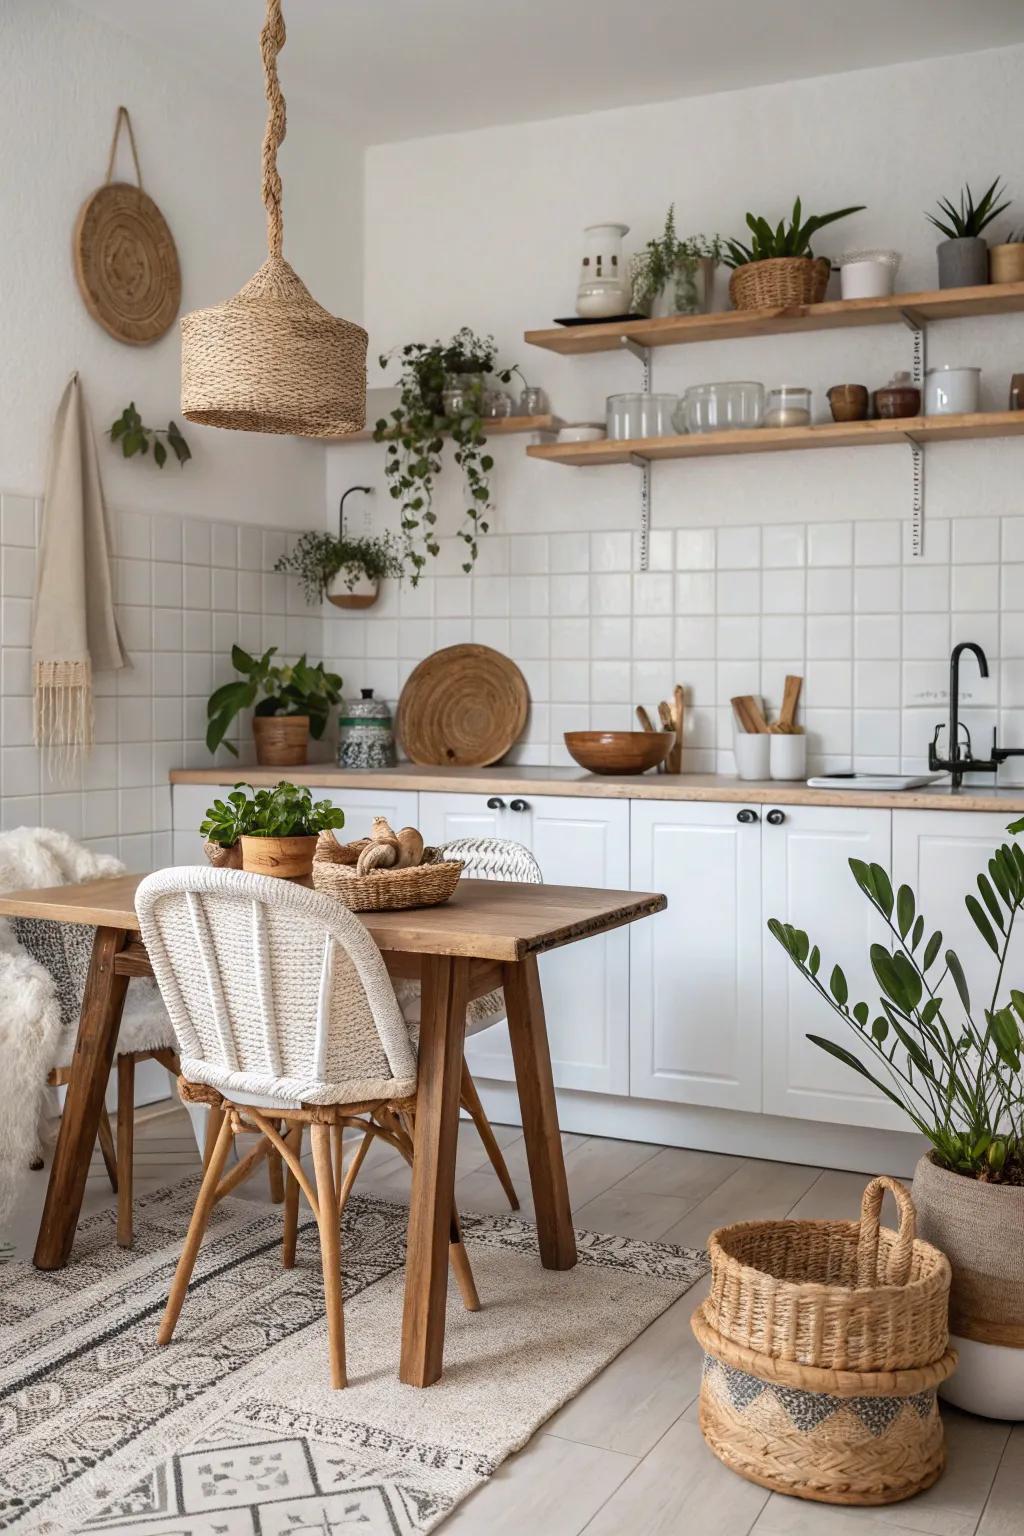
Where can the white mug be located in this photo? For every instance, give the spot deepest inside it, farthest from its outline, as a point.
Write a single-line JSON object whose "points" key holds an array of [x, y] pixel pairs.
{"points": [[751, 750], [788, 756]]}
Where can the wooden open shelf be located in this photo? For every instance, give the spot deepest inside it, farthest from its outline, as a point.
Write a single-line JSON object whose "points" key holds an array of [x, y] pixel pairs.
{"points": [[848, 434], [914, 309], [497, 426]]}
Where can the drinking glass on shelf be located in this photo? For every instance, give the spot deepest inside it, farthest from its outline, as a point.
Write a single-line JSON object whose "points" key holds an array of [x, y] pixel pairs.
{"points": [[533, 401]]}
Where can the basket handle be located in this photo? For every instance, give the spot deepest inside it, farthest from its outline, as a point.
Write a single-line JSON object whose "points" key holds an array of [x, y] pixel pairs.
{"points": [[867, 1243]]}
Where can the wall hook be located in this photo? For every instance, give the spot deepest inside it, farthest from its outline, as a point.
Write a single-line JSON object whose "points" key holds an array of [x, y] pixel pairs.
{"points": [[367, 490]]}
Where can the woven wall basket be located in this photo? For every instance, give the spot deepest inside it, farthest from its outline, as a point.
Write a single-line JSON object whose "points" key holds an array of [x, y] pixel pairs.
{"points": [[272, 359], [780, 283]]}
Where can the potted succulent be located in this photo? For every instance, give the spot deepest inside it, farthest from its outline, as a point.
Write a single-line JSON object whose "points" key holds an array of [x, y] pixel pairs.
{"points": [[954, 1068], [294, 703], [1006, 261], [268, 831], [346, 571], [672, 276], [963, 255], [778, 267]]}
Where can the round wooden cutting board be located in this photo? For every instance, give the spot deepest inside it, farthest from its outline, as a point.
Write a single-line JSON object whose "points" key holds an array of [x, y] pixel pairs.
{"points": [[464, 706], [126, 264]]}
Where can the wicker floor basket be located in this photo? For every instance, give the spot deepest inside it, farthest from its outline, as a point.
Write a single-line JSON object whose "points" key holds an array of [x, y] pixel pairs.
{"points": [[824, 1344], [389, 890], [780, 282]]}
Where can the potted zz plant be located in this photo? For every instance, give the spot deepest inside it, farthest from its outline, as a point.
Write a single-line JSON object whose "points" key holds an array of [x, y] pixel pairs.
{"points": [[778, 267], [268, 831], [954, 1069], [963, 255], [295, 704], [346, 571], [672, 276]]}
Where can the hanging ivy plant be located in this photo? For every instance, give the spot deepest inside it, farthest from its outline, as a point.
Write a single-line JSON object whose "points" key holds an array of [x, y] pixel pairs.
{"points": [[442, 390]]}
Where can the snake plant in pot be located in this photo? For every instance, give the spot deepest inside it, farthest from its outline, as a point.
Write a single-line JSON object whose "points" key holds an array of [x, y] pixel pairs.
{"points": [[949, 1054], [268, 831]]}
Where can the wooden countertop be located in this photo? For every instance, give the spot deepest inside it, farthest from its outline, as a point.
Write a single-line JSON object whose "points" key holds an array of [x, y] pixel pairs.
{"points": [[511, 780]]}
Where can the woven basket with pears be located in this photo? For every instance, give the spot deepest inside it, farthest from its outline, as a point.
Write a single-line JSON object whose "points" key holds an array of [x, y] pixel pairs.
{"points": [[385, 872]]}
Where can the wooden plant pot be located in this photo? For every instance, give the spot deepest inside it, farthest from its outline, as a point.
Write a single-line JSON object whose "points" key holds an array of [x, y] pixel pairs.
{"points": [[362, 594], [1006, 262], [780, 283], [286, 858], [281, 740]]}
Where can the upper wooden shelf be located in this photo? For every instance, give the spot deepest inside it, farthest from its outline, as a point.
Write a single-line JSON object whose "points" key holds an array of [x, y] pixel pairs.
{"points": [[493, 426], [847, 434], [911, 308]]}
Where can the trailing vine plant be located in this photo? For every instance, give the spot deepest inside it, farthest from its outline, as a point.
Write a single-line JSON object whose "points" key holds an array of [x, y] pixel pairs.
{"points": [[415, 436]]}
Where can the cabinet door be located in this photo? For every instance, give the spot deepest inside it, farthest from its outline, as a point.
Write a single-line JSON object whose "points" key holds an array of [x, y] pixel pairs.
{"points": [[445, 817], [695, 969], [400, 806], [807, 882]]}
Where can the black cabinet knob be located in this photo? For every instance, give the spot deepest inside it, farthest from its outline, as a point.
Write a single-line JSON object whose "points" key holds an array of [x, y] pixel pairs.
{"points": [[746, 815], [775, 818], [495, 803], [518, 805]]}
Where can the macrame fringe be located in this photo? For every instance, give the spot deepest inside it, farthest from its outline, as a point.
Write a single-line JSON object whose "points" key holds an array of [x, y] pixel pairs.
{"points": [[63, 714]]}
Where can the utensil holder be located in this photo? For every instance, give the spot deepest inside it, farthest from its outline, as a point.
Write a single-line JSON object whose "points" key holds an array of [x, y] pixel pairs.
{"points": [[752, 753], [787, 756]]}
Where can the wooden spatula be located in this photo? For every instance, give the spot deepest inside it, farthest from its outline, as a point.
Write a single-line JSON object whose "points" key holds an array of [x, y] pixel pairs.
{"points": [[786, 723], [748, 713]]}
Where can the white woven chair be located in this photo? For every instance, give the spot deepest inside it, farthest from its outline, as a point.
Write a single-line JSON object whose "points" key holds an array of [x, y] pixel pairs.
{"points": [[485, 858], [284, 1012]]}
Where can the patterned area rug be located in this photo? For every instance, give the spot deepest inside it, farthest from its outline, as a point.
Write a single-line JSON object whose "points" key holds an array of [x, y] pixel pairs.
{"points": [[233, 1429]]}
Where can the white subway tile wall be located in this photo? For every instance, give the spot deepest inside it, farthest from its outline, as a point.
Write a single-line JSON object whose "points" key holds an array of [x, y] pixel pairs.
{"points": [[724, 611]]}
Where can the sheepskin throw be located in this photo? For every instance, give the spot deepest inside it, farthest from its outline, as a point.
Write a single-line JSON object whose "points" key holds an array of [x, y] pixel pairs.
{"points": [[43, 968], [74, 631]]}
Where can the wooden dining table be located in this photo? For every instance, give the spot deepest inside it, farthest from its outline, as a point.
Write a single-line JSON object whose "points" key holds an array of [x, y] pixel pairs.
{"points": [[488, 935]]}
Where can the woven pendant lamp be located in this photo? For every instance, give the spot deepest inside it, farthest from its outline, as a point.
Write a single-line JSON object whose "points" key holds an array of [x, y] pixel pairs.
{"points": [[272, 359]]}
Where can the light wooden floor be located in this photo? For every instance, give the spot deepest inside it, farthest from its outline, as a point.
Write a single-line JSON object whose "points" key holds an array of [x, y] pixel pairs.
{"points": [[626, 1457]]}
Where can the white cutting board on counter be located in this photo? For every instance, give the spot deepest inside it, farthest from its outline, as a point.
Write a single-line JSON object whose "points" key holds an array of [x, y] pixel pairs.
{"points": [[884, 781]]}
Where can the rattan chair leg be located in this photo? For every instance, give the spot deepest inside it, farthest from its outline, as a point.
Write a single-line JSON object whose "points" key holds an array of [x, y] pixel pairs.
{"points": [[473, 1107], [214, 1120], [125, 1147], [197, 1226], [358, 1158], [106, 1140], [330, 1249], [275, 1174], [291, 1203]]}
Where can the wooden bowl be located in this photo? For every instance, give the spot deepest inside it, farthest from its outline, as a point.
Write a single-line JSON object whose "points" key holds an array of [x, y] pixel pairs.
{"points": [[618, 751]]}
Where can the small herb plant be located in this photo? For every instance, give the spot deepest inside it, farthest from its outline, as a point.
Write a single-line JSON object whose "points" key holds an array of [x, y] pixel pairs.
{"points": [[296, 690], [415, 433], [287, 810], [134, 438], [968, 220], [786, 239], [667, 259], [958, 1079], [316, 558]]}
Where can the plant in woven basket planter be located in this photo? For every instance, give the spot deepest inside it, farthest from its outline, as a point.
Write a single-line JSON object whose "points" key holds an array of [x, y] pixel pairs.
{"points": [[1006, 260], [963, 254], [271, 831], [347, 571], [134, 437], [953, 1066], [294, 703], [671, 276], [778, 267], [442, 395]]}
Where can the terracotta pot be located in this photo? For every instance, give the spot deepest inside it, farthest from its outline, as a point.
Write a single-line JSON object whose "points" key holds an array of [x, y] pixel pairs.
{"points": [[1006, 262], [286, 858], [980, 1229], [281, 740], [362, 594]]}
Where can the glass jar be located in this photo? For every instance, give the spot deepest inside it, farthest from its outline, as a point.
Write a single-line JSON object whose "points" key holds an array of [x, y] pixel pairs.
{"points": [[497, 405], [365, 736], [464, 395], [788, 406], [640, 415], [533, 401], [729, 407]]}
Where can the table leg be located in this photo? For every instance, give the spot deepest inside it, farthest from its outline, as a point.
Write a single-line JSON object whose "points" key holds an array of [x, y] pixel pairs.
{"points": [[442, 1035], [90, 1067], [532, 1059]]}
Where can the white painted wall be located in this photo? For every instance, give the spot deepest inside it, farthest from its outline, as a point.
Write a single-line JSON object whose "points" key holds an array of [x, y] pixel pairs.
{"points": [[483, 228], [199, 143]]}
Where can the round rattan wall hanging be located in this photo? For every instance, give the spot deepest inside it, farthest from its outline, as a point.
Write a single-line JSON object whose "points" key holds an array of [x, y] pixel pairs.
{"points": [[465, 706], [126, 262]]}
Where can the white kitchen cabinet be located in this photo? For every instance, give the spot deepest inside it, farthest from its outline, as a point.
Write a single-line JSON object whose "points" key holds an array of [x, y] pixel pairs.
{"points": [[190, 801], [576, 841], [807, 882], [695, 969], [940, 854]]}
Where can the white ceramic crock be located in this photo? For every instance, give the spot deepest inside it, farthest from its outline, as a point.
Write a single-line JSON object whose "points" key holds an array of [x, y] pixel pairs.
{"points": [[751, 751], [952, 391], [788, 756], [868, 274]]}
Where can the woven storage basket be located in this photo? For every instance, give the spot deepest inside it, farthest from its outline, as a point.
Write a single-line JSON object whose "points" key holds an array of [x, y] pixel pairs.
{"points": [[780, 283], [824, 1344], [388, 890]]}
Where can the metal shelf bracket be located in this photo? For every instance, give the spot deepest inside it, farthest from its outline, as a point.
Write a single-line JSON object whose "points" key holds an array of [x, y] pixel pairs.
{"points": [[643, 356], [918, 363]]}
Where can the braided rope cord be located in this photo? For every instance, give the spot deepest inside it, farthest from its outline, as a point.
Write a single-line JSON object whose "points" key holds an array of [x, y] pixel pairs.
{"points": [[272, 40]]}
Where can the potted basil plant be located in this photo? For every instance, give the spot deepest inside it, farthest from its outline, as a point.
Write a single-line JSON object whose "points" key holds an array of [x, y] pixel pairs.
{"points": [[289, 704], [268, 831]]}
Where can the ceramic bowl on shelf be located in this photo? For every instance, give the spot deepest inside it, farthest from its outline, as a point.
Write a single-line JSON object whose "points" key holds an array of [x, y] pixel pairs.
{"points": [[618, 751], [582, 432]]}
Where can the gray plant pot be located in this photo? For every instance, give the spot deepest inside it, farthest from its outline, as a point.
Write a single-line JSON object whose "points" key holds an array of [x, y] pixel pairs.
{"points": [[963, 263]]}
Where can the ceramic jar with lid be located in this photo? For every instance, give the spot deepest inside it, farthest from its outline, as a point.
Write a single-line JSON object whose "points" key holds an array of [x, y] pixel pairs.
{"points": [[788, 406], [951, 391], [604, 288], [900, 397], [365, 736]]}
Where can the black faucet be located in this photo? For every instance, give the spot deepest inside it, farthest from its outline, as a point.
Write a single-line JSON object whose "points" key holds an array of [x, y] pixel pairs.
{"points": [[959, 763]]}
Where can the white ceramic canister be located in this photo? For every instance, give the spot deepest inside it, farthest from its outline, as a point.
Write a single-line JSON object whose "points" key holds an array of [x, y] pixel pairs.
{"points": [[751, 750], [787, 755], [868, 274], [950, 391]]}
